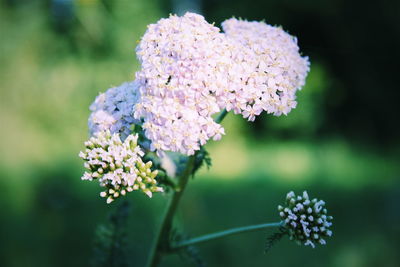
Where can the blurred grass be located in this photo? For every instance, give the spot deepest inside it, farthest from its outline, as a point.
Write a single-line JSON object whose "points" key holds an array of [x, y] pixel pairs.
{"points": [[49, 215]]}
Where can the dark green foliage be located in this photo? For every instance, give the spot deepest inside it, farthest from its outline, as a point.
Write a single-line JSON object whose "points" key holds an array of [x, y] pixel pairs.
{"points": [[274, 238], [202, 157], [189, 253], [110, 244], [192, 254]]}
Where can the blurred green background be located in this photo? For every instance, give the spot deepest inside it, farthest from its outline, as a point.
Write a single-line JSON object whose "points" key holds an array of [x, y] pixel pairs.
{"points": [[341, 143]]}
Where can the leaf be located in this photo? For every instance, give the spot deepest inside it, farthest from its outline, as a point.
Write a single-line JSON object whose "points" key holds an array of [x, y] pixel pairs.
{"points": [[189, 253], [274, 238], [202, 157], [109, 248]]}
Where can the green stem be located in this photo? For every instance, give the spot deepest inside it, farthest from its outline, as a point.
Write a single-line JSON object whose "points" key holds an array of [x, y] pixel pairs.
{"points": [[221, 116], [171, 182], [162, 244], [228, 232]]}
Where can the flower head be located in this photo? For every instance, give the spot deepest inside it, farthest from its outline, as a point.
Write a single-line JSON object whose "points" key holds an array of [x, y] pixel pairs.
{"points": [[272, 69], [113, 110], [306, 220], [184, 61], [118, 166], [190, 71]]}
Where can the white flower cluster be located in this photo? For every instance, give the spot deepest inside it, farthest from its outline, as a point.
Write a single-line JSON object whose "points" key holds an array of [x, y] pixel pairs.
{"points": [[271, 71], [190, 71], [182, 59], [113, 110], [118, 165], [306, 220]]}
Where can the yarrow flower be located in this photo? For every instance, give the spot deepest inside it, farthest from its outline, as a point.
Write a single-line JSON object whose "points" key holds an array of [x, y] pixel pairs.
{"points": [[272, 69], [191, 71], [181, 59], [113, 110], [118, 166], [306, 220]]}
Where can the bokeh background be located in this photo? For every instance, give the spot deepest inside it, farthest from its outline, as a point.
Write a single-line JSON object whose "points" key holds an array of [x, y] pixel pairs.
{"points": [[341, 143]]}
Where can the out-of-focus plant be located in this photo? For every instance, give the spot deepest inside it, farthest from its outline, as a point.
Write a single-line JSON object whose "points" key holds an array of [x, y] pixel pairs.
{"points": [[149, 134], [110, 243]]}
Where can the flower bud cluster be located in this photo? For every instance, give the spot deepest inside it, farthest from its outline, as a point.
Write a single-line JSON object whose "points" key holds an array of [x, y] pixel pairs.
{"points": [[118, 166], [113, 110], [306, 220]]}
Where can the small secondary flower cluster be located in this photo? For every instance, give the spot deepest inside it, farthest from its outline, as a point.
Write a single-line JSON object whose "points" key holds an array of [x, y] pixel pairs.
{"points": [[306, 220], [118, 165], [113, 110]]}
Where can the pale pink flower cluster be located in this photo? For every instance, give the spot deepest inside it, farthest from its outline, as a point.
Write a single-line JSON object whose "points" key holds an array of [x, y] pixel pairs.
{"points": [[182, 61], [271, 68], [113, 110], [190, 71]]}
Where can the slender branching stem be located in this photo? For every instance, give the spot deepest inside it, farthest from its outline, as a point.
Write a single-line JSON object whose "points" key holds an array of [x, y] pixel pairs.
{"points": [[233, 231], [162, 244], [221, 116], [171, 182]]}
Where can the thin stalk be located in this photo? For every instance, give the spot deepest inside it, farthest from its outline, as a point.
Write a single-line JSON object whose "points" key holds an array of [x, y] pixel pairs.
{"points": [[171, 182], [162, 244], [221, 116], [233, 231]]}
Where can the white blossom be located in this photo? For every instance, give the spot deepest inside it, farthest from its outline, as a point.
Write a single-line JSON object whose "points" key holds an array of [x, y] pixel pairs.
{"points": [[113, 110], [184, 61], [269, 67], [190, 71], [118, 166]]}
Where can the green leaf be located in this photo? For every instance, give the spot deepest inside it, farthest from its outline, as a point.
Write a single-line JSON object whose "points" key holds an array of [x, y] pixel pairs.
{"points": [[274, 238], [110, 243], [202, 158], [188, 253]]}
